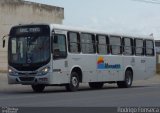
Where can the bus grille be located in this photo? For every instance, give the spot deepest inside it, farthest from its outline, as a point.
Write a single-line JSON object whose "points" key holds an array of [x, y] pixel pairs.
{"points": [[26, 78], [31, 74]]}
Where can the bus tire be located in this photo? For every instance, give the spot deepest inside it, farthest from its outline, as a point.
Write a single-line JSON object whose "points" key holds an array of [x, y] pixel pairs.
{"points": [[74, 83], [96, 85], [127, 83], [38, 88]]}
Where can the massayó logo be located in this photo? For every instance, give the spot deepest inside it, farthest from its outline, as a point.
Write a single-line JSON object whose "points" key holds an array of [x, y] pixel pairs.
{"points": [[104, 65]]}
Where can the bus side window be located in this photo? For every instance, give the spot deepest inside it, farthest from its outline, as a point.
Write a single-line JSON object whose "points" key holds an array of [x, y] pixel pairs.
{"points": [[74, 42], [102, 44], [87, 43], [128, 46], [139, 47], [115, 45], [59, 47], [149, 48]]}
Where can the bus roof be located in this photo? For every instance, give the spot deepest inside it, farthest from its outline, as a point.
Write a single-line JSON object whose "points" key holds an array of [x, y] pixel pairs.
{"points": [[84, 29], [88, 30]]}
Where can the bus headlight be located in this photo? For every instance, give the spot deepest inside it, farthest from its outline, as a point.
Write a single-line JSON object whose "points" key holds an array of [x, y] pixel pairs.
{"points": [[12, 72], [44, 71]]}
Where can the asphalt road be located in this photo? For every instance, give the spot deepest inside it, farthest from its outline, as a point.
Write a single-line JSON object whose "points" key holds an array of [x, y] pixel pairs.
{"points": [[141, 94]]}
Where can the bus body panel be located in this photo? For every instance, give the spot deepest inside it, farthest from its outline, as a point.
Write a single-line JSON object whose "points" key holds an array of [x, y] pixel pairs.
{"points": [[109, 67], [128, 62], [140, 68], [88, 64], [150, 67]]}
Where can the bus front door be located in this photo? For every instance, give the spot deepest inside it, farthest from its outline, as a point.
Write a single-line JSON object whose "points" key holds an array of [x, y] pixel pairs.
{"points": [[60, 63]]}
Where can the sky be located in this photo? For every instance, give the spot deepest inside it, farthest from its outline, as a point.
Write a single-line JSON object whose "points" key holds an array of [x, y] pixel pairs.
{"points": [[120, 16]]}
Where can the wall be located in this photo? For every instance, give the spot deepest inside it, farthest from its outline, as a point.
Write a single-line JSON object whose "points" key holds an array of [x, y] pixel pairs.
{"points": [[13, 12]]}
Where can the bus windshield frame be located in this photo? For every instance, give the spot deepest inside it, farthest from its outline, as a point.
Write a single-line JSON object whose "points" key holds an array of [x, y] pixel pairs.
{"points": [[29, 47]]}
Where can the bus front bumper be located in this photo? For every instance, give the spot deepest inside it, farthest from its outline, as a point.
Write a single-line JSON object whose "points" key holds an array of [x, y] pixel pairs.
{"points": [[29, 79]]}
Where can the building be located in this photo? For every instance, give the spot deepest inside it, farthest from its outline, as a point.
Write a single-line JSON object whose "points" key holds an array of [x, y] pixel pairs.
{"points": [[13, 12]]}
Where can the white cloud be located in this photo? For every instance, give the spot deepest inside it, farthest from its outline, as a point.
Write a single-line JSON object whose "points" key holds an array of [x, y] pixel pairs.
{"points": [[125, 16]]}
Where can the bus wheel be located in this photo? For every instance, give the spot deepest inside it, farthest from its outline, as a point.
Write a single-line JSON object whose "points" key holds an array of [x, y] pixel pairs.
{"points": [[74, 82], [96, 85], [128, 80], [38, 88]]}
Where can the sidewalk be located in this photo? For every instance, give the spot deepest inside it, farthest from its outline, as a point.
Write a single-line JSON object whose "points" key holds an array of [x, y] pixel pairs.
{"points": [[153, 80]]}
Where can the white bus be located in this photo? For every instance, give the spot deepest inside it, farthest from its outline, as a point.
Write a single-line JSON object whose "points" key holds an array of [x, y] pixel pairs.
{"points": [[43, 55]]}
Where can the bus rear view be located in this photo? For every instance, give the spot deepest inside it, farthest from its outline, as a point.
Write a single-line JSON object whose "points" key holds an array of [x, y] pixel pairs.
{"points": [[29, 55]]}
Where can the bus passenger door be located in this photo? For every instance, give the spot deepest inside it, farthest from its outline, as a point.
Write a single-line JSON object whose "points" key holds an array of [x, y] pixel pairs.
{"points": [[60, 63]]}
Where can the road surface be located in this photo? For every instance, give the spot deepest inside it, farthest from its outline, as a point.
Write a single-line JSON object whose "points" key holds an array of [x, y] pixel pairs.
{"points": [[143, 93]]}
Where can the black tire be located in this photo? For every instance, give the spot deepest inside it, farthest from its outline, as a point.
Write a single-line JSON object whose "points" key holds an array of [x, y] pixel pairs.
{"points": [[38, 88], [96, 85], [74, 82], [127, 83]]}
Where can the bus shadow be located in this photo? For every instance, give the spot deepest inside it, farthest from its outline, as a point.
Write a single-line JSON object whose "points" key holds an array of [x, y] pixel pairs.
{"points": [[63, 90]]}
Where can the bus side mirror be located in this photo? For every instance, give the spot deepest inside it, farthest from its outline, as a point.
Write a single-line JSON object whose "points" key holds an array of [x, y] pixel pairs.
{"points": [[4, 43]]}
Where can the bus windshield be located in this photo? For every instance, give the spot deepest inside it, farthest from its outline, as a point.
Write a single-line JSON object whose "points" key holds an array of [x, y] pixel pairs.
{"points": [[29, 47], [27, 50]]}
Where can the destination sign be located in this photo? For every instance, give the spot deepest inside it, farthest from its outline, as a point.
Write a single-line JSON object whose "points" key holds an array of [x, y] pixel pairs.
{"points": [[30, 30]]}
